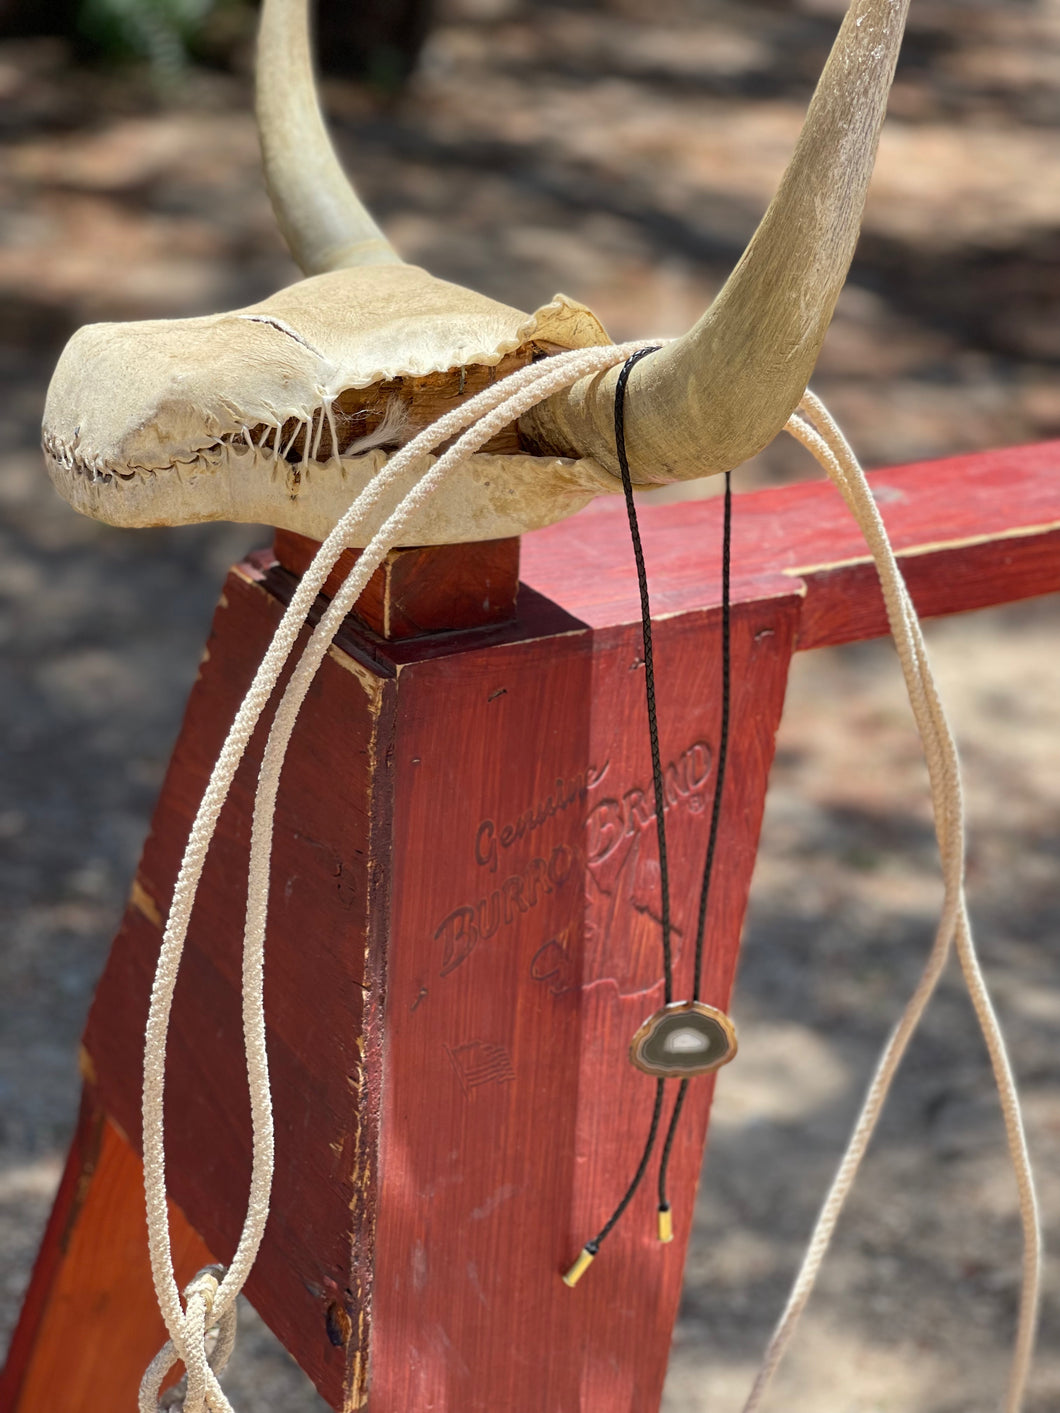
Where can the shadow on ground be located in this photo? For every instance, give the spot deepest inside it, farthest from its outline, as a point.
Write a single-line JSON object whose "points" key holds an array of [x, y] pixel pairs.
{"points": [[626, 161]]}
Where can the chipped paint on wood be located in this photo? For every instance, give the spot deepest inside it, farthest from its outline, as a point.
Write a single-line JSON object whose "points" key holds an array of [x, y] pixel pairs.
{"points": [[364, 675], [141, 900]]}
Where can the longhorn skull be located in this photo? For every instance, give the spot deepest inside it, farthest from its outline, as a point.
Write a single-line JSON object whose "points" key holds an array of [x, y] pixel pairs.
{"points": [[284, 411]]}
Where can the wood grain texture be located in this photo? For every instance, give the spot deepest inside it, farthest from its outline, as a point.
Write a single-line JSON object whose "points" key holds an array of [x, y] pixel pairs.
{"points": [[970, 531], [90, 1325], [461, 943], [525, 953], [464, 936], [328, 916], [436, 589]]}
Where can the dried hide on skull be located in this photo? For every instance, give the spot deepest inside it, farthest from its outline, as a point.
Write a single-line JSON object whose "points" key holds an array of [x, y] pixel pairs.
{"points": [[283, 412]]}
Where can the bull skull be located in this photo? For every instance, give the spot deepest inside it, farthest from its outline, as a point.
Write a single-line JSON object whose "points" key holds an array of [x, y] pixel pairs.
{"points": [[284, 411]]}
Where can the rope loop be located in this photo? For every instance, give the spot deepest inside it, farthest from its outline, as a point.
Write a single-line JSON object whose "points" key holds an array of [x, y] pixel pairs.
{"points": [[813, 426], [209, 1299], [473, 423], [198, 1391]]}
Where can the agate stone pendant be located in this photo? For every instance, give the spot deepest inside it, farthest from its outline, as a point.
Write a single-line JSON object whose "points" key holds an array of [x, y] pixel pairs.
{"points": [[684, 1039]]}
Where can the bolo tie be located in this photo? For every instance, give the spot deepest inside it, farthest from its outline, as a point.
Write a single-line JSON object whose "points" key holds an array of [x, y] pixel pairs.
{"points": [[685, 1038]]}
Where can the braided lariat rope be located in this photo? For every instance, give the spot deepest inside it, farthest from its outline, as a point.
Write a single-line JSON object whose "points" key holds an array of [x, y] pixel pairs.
{"points": [[209, 1301], [814, 427], [199, 1388], [486, 413]]}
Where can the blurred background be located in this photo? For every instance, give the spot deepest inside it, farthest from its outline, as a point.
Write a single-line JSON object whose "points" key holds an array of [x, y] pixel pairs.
{"points": [[623, 153]]}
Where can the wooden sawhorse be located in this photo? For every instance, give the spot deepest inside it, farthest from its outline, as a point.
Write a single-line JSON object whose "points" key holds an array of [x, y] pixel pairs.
{"points": [[463, 938]]}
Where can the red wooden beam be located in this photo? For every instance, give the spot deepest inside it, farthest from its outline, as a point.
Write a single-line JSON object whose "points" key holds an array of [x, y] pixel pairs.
{"points": [[90, 1322], [970, 532]]}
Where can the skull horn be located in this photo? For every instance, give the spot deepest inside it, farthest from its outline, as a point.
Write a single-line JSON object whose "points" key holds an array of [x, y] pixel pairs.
{"points": [[723, 391], [322, 219]]}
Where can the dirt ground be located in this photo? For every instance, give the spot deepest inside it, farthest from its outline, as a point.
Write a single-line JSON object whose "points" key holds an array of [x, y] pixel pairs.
{"points": [[624, 160]]}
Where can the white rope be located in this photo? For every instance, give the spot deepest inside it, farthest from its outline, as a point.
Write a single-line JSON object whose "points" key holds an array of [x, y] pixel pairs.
{"points": [[486, 413], [199, 1389], [814, 428]]}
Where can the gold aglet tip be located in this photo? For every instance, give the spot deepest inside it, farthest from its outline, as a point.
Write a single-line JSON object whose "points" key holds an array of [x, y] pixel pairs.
{"points": [[584, 1261], [666, 1225]]}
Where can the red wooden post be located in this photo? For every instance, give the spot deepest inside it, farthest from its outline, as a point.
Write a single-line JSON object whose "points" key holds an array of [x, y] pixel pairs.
{"points": [[89, 1323], [463, 935]]}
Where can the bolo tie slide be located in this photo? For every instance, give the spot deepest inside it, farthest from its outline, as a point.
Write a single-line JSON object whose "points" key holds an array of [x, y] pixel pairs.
{"points": [[684, 1039]]}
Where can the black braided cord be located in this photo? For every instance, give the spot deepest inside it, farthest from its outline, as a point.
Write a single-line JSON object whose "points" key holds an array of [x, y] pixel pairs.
{"points": [[649, 668], [715, 816], [593, 1246]]}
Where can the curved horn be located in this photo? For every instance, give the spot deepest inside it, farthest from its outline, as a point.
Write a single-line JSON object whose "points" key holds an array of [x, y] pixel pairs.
{"points": [[711, 399], [322, 219]]}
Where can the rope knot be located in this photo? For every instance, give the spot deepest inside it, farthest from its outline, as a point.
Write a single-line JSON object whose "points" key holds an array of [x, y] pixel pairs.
{"points": [[198, 1391]]}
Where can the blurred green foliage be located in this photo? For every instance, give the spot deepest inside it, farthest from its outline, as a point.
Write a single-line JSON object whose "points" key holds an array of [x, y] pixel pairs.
{"points": [[376, 41], [165, 33]]}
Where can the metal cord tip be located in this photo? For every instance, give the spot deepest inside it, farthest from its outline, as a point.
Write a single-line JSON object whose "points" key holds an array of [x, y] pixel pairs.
{"points": [[581, 1265]]}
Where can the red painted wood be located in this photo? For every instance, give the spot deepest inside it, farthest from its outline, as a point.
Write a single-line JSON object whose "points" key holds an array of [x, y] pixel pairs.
{"points": [[513, 1119], [328, 918], [89, 1324], [453, 1122], [970, 531], [434, 589], [463, 934], [80, 1162]]}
